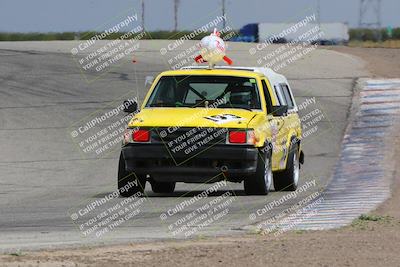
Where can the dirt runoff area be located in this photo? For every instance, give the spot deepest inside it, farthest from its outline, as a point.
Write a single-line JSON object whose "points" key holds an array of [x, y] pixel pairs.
{"points": [[372, 240], [381, 62]]}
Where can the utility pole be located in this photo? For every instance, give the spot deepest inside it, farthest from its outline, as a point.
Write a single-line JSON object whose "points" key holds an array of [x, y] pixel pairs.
{"points": [[370, 16], [142, 15], [223, 14], [319, 13], [176, 6]]}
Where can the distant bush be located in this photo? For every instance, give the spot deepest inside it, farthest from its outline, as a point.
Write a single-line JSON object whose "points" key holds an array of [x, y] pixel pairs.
{"points": [[36, 36], [52, 36], [373, 35]]}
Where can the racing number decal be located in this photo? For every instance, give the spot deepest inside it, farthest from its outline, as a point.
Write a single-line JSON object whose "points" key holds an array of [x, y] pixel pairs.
{"points": [[224, 118]]}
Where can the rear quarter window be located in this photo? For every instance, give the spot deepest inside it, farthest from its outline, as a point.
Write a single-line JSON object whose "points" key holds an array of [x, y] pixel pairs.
{"points": [[281, 97], [288, 97]]}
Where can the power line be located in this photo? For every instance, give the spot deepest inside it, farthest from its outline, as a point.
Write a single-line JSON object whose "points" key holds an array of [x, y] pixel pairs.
{"points": [[370, 15]]}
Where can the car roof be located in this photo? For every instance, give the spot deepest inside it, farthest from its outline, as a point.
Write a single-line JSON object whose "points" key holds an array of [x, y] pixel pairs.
{"points": [[216, 71]]}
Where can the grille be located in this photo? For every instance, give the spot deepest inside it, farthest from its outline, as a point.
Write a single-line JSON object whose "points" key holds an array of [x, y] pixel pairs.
{"points": [[190, 136]]}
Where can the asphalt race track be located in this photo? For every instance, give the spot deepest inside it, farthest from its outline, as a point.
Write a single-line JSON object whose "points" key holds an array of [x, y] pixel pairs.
{"points": [[45, 177]]}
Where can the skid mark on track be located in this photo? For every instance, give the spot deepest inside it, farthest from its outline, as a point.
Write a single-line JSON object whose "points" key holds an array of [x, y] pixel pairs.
{"points": [[360, 181]]}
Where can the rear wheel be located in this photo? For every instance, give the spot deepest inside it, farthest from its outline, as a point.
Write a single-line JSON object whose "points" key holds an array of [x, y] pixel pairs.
{"points": [[128, 183], [162, 187], [260, 182], [288, 179]]}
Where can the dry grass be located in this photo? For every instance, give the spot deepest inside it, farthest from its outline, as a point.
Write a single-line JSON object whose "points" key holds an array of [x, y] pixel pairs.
{"points": [[371, 44]]}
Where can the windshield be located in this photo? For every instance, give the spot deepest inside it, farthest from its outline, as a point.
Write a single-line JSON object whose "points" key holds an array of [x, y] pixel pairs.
{"points": [[205, 91]]}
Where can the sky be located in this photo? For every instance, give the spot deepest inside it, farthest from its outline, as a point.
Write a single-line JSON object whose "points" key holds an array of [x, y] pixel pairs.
{"points": [[81, 15]]}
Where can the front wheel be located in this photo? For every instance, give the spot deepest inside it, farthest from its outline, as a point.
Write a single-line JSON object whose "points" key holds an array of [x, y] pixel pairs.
{"points": [[288, 179], [128, 183], [260, 183]]}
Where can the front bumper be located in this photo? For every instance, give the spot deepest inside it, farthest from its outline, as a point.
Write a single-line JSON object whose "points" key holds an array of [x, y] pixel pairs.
{"points": [[234, 161]]}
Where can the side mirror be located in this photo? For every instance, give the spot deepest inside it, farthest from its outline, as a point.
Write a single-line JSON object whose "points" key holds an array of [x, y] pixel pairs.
{"points": [[130, 106], [279, 111]]}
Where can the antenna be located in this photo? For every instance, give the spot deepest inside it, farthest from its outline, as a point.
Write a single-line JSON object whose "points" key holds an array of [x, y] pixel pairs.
{"points": [[370, 16]]}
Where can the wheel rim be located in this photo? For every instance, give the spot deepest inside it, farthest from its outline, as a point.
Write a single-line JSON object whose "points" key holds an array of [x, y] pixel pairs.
{"points": [[268, 174], [296, 169]]}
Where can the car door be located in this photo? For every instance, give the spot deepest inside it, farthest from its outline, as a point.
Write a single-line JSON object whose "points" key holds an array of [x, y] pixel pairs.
{"points": [[276, 124], [284, 124], [291, 120]]}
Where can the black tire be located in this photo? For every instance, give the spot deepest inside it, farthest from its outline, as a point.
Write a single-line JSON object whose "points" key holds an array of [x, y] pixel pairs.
{"points": [[286, 180], [127, 184], [260, 182], [163, 187]]}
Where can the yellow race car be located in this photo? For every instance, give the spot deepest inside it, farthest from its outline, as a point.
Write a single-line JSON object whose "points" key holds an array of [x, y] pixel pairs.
{"points": [[199, 125]]}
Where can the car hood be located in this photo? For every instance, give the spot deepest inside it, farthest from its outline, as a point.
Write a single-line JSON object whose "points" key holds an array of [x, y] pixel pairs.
{"points": [[193, 117]]}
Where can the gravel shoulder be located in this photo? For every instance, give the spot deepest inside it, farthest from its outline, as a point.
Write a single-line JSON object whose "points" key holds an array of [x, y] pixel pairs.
{"points": [[381, 62]]}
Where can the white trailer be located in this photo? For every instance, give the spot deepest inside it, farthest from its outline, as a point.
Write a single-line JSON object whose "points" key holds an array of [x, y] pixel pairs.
{"points": [[324, 33]]}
